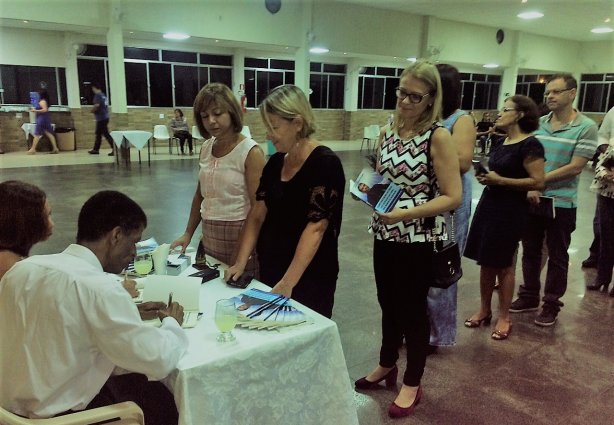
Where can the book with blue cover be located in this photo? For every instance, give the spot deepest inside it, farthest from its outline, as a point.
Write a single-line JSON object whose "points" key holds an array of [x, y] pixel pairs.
{"points": [[257, 309], [375, 190]]}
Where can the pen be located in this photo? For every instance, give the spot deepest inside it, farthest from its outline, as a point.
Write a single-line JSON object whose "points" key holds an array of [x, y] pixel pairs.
{"points": [[170, 299]]}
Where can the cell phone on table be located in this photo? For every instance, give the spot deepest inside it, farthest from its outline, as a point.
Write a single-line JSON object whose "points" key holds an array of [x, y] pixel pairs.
{"points": [[242, 281], [479, 167]]}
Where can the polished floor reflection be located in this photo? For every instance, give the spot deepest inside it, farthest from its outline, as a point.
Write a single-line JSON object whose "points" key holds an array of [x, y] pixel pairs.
{"points": [[563, 374]]}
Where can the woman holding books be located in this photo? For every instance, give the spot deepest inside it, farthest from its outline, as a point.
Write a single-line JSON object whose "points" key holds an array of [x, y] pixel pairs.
{"points": [[417, 154], [230, 168], [296, 220], [516, 166]]}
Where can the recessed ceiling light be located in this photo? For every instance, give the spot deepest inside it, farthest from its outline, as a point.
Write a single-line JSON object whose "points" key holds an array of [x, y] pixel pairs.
{"points": [[491, 65], [131, 32], [412, 59], [345, 53], [523, 1], [286, 47], [530, 15], [602, 30], [607, 20], [175, 36], [217, 41], [26, 22], [319, 50]]}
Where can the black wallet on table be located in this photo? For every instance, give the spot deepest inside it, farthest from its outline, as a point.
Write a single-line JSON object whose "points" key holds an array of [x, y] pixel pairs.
{"points": [[207, 274]]}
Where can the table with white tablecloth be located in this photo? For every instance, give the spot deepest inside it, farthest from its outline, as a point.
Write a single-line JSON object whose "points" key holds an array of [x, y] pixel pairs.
{"points": [[296, 376], [136, 138]]}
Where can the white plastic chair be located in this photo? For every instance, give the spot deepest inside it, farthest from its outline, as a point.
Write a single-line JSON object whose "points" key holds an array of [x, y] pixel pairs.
{"points": [[161, 133], [196, 137], [369, 133], [126, 413], [245, 131]]}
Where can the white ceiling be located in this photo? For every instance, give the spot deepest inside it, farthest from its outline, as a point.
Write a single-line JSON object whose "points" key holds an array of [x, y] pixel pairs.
{"points": [[567, 19]]}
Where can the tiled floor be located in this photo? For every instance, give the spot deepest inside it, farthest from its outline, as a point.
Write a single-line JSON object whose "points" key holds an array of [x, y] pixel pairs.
{"points": [[563, 374]]}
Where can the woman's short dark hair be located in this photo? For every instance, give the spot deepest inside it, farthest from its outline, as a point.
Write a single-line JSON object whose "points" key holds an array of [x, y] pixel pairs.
{"points": [[44, 94], [105, 211], [530, 119], [451, 89], [220, 95], [180, 112], [23, 221]]}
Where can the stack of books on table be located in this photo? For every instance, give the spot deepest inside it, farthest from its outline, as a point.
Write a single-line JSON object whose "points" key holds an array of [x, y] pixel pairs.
{"points": [[267, 311]]}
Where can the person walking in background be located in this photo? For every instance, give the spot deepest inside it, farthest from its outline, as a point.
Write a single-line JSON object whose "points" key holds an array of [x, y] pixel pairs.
{"points": [[101, 114], [516, 166], [179, 127], [442, 302], [43, 123], [296, 220], [605, 138], [230, 168], [569, 139], [417, 154]]}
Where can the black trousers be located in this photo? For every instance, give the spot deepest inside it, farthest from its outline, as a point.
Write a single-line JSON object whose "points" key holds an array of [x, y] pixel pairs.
{"points": [[594, 248], [102, 129], [557, 232], [605, 209], [183, 136], [154, 399], [403, 276]]}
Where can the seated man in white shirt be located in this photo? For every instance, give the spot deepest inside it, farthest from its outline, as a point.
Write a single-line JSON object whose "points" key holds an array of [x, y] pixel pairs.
{"points": [[72, 338]]}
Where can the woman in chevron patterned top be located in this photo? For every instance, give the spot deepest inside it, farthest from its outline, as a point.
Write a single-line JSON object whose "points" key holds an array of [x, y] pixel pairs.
{"points": [[416, 153]]}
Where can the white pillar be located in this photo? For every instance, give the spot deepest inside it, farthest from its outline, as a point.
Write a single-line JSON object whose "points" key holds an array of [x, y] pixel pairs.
{"points": [[578, 77], [350, 98], [301, 57], [115, 48], [508, 84], [72, 74], [238, 72]]}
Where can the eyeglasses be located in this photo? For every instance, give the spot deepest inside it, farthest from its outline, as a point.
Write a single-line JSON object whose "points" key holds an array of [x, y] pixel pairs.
{"points": [[414, 98], [504, 110], [555, 92]]}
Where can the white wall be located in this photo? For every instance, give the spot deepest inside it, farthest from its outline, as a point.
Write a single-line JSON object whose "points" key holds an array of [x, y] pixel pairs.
{"points": [[548, 53], [30, 47], [596, 57]]}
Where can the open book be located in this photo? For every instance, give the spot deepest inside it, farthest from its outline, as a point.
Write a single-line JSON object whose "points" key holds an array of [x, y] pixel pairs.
{"points": [[258, 309], [185, 290], [375, 190]]}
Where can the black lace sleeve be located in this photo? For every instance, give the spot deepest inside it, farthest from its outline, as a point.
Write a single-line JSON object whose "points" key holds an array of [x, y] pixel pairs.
{"points": [[532, 148], [326, 191]]}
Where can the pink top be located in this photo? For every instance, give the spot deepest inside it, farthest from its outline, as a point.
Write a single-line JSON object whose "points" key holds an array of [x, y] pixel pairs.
{"points": [[222, 182]]}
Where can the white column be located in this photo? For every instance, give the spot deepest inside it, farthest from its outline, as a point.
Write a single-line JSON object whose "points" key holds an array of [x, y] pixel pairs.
{"points": [[578, 77], [301, 57], [508, 84], [350, 98], [72, 74], [115, 48], [238, 71]]}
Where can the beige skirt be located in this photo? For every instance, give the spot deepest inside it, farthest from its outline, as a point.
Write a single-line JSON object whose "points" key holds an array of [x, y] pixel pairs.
{"points": [[221, 239]]}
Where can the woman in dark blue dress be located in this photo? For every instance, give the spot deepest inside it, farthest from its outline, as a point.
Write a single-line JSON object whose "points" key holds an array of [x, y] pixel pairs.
{"points": [[516, 166], [43, 123]]}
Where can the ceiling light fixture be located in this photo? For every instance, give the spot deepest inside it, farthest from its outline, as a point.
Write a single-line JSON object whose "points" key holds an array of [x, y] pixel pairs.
{"points": [[602, 30], [412, 59], [523, 1], [607, 20], [26, 22], [530, 15], [491, 65], [175, 36], [319, 50]]}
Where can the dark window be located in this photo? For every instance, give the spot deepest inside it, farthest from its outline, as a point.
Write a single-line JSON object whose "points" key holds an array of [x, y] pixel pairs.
{"points": [[250, 88], [465, 76], [611, 98], [90, 71], [338, 69], [161, 84], [373, 96], [186, 85], [216, 60], [282, 64], [203, 76], [494, 78], [256, 63], [467, 99], [317, 98], [139, 53], [594, 96], [63, 92], [369, 70], [315, 66], [8, 74], [390, 101], [136, 84], [183, 57], [480, 100], [18, 81], [536, 92], [289, 77], [93, 50], [478, 77], [361, 81], [592, 77], [221, 75], [386, 71], [494, 96], [336, 89], [609, 77]]}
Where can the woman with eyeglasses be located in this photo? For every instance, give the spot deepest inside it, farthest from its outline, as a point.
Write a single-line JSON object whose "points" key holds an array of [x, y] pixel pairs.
{"points": [[416, 153], [515, 167]]}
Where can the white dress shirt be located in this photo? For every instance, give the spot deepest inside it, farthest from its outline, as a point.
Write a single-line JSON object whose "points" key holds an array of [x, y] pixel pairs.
{"points": [[65, 325]]}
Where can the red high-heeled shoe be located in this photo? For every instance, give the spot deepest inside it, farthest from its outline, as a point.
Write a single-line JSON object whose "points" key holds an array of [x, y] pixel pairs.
{"points": [[390, 378], [396, 411]]}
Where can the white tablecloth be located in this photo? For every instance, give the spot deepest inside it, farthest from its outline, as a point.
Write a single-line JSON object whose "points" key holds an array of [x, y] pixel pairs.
{"points": [[136, 138], [297, 376], [28, 128]]}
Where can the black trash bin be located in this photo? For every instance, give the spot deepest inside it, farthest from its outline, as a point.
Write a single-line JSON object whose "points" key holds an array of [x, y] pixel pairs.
{"points": [[66, 138]]}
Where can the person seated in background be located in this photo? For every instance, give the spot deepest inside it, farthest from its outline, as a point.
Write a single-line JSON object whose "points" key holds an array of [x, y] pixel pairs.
{"points": [[72, 326], [25, 219], [179, 126], [484, 129]]}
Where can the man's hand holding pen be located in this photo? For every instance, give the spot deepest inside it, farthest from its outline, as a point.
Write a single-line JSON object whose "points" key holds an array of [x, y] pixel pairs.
{"points": [[173, 309]]}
